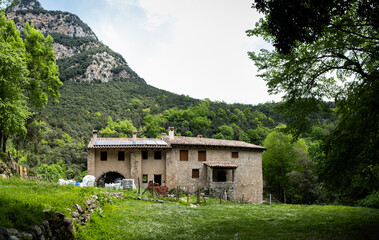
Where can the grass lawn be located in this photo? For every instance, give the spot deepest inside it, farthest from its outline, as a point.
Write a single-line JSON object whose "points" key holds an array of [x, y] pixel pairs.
{"points": [[134, 219], [22, 202]]}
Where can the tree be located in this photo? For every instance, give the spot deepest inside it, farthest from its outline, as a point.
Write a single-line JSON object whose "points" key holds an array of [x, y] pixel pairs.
{"points": [[28, 76], [327, 50], [281, 159]]}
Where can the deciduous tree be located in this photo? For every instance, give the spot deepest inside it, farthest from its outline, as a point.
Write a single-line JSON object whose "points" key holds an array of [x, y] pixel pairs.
{"points": [[327, 50]]}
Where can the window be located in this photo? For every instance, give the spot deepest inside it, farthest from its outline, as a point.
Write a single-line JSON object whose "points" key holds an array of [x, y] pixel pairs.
{"points": [[121, 156], [234, 154], [144, 178], [145, 155], [202, 156], [195, 173], [183, 155], [103, 156], [157, 155]]}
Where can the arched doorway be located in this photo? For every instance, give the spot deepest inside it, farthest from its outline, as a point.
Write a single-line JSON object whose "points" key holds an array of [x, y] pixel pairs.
{"points": [[109, 177]]}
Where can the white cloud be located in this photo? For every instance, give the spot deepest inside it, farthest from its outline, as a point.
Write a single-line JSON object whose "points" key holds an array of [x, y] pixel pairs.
{"points": [[192, 47]]}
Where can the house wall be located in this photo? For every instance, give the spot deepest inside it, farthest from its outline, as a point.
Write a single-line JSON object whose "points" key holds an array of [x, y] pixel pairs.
{"points": [[248, 175], [153, 166], [112, 164]]}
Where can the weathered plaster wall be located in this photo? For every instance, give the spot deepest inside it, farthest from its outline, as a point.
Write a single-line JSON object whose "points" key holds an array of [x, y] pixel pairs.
{"points": [[153, 166], [112, 164], [247, 178]]}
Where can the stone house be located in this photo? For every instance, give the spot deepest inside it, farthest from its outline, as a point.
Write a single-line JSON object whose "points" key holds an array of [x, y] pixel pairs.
{"points": [[189, 162]]}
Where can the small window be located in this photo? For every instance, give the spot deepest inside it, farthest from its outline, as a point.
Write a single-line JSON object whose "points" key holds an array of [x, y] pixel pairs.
{"points": [[145, 155], [202, 156], [195, 173], [121, 156], [183, 155], [157, 155], [103, 156], [234, 154], [144, 178]]}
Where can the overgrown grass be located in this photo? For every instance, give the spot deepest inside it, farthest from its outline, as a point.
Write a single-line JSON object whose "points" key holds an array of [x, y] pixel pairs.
{"points": [[22, 202]]}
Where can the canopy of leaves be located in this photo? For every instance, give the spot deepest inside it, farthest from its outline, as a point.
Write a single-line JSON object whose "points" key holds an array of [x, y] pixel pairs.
{"points": [[28, 76], [327, 50]]}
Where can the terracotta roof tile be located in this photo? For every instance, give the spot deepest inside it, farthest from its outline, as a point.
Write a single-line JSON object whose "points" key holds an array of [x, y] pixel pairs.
{"points": [[211, 142], [221, 164]]}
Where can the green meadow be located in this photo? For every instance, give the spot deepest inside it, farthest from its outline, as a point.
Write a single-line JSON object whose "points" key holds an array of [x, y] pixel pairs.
{"points": [[22, 202]]}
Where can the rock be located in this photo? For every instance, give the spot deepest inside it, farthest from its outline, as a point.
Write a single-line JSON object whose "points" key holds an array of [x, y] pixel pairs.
{"points": [[139, 198], [79, 208], [67, 221], [42, 237], [60, 215], [14, 232], [27, 236], [153, 200], [37, 230], [75, 214], [4, 235], [46, 225], [14, 238], [160, 201], [145, 199]]}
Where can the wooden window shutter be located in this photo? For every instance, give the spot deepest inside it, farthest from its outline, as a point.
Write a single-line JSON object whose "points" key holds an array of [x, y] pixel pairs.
{"points": [[195, 173], [202, 156], [234, 154], [183, 155]]}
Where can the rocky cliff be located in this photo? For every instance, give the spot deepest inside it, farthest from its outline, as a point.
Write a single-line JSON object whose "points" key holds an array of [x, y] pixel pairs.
{"points": [[80, 55]]}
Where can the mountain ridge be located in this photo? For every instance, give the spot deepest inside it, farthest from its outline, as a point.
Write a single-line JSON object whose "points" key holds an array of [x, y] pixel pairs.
{"points": [[80, 55]]}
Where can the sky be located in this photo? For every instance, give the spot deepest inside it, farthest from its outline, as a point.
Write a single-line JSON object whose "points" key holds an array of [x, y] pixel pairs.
{"points": [[191, 47]]}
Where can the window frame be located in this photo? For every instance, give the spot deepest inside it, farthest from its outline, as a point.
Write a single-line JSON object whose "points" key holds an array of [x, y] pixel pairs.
{"points": [[195, 173], [235, 154], [160, 155], [123, 155], [147, 178], [147, 154], [102, 154]]}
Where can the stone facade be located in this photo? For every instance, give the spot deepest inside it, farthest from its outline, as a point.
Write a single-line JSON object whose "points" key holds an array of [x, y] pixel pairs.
{"points": [[219, 166]]}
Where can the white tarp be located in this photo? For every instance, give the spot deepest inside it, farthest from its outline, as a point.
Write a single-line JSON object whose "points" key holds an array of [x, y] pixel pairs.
{"points": [[88, 181]]}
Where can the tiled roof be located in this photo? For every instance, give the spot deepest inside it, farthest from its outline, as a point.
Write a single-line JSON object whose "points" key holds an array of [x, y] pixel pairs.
{"points": [[221, 164], [128, 143], [167, 143], [196, 141]]}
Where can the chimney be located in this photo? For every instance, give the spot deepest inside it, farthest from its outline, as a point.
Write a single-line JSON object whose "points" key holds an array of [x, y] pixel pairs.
{"points": [[171, 132], [134, 133], [163, 135], [200, 136], [94, 132]]}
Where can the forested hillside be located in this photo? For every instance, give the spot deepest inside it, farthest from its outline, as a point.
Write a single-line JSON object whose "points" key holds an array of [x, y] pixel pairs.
{"points": [[100, 91]]}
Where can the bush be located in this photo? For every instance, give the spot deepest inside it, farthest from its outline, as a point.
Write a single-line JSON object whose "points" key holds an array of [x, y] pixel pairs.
{"points": [[371, 200]]}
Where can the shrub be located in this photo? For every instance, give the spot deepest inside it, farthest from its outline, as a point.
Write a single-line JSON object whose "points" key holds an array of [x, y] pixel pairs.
{"points": [[371, 200]]}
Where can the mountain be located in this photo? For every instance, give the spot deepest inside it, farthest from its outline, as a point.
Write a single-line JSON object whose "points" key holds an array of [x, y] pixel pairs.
{"points": [[80, 55]]}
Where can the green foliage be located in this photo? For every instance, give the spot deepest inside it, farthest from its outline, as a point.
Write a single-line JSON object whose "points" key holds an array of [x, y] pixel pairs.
{"points": [[52, 172], [371, 200], [28, 76], [120, 129], [288, 169], [329, 52]]}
